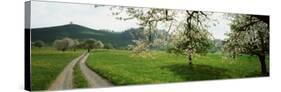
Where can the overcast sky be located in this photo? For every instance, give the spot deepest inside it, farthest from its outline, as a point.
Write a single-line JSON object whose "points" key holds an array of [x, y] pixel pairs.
{"points": [[44, 14]]}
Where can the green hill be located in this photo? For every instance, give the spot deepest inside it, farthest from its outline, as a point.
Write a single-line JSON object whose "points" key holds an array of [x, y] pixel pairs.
{"points": [[49, 34]]}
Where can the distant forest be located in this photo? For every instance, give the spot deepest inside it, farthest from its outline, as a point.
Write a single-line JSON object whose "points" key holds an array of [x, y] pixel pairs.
{"points": [[117, 39]]}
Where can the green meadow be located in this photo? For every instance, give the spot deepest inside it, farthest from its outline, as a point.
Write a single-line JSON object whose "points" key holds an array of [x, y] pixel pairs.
{"points": [[119, 67], [46, 64]]}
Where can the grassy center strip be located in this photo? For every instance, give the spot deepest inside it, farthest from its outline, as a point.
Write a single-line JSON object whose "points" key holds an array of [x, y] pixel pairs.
{"points": [[79, 79]]}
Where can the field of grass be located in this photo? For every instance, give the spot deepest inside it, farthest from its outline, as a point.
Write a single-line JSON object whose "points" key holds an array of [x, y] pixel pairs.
{"points": [[79, 78], [46, 64], [121, 69]]}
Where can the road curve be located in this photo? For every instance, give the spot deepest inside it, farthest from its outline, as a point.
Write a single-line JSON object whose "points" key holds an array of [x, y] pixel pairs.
{"points": [[94, 80], [64, 79]]}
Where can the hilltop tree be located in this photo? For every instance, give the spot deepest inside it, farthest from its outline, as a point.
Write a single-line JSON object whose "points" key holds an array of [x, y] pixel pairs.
{"points": [[249, 35], [64, 44], [92, 44], [38, 44]]}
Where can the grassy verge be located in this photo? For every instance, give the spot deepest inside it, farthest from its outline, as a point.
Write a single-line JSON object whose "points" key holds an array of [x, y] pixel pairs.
{"points": [[79, 79], [119, 67], [46, 64]]}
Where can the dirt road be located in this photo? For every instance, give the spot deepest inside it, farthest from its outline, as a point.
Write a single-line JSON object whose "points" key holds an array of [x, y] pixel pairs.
{"points": [[92, 77], [64, 79]]}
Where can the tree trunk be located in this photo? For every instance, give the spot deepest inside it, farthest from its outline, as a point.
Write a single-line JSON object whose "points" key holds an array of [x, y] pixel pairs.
{"points": [[89, 50], [63, 50], [261, 55], [189, 59], [263, 65]]}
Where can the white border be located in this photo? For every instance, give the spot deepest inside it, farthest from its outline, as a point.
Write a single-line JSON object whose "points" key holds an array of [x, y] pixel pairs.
{"points": [[12, 45]]}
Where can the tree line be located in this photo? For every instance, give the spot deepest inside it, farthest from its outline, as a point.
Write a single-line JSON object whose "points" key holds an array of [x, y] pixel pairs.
{"points": [[66, 43]]}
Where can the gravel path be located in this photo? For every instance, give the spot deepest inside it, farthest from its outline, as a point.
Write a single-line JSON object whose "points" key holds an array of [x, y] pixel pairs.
{"points": [[64, 79], [92, 77]]}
